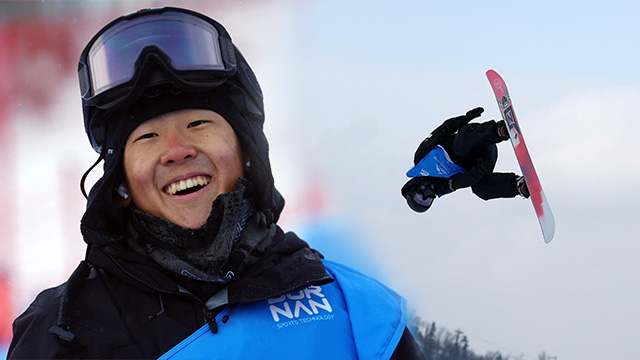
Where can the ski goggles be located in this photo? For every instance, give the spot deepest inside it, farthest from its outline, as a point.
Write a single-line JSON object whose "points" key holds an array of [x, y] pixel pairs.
{"points": [[195, 49]]}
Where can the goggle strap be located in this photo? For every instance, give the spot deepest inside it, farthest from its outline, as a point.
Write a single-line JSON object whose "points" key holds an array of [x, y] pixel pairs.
{"points": [[86, 173]]}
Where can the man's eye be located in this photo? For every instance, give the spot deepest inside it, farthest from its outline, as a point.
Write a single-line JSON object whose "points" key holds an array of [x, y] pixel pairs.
{"points": [[147, 136], [196, 123]]}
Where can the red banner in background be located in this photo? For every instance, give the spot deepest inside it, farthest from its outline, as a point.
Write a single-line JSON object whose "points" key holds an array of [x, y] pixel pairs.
{"points": [[6, 309], [46, 54], [8, 74], [8, 85], [36, 54]]}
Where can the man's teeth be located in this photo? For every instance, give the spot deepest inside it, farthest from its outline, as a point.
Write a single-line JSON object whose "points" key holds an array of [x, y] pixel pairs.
{"points": [[186, 184]]}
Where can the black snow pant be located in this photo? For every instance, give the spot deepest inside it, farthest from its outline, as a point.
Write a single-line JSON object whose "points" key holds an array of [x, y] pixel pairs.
{"points": [[474, 148]]}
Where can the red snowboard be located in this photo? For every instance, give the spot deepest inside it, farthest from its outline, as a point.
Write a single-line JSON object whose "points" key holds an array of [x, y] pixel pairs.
{"points": [[540, 204]]}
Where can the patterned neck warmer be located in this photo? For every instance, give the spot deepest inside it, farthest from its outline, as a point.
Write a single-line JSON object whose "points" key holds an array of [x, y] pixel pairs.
{"points": [[233, 238]]}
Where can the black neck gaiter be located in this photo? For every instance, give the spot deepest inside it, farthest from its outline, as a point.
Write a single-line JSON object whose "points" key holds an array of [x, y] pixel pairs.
{"points": [[234, 237]]}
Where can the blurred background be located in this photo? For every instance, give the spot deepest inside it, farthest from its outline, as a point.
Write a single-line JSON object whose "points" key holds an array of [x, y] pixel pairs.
{"points": [[351, 89]]}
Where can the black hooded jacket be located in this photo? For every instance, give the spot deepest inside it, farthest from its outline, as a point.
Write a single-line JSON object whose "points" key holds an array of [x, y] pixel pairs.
{"points": [[126, 306], [119, 304]]}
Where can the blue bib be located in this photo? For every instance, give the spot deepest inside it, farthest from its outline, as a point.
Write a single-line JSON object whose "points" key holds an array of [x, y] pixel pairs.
{"points": [[436, 163], [354, 317]]}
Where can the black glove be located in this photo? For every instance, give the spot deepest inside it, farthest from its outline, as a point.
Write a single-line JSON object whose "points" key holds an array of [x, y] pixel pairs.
{"points": [[473, 113], [442, 186], [447, 128]]}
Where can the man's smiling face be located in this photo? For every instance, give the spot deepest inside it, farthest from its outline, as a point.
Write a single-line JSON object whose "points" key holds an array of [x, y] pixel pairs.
{"points": [[176, 164]]}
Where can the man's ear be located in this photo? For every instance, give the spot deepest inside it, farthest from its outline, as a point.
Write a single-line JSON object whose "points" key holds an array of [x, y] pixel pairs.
{"points": [[124, 197]]}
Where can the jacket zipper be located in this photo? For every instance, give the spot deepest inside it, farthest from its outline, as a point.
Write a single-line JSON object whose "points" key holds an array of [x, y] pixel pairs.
{"points": [[208, 316], [211, 320]]}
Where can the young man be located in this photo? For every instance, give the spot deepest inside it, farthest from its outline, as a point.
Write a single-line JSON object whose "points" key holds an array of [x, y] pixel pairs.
{"points": [[460, 154], [185, 258]]}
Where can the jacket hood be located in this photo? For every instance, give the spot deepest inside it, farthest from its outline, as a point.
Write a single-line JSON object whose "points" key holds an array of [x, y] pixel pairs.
{"points": [[105, 217]]}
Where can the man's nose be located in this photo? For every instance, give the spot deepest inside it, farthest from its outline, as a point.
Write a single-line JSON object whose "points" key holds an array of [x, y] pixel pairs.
{"points": [[178, 148]]}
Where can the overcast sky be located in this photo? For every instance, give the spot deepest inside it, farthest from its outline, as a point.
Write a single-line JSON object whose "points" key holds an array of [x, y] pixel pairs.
{"points": [[352, 89], [377, 79]]}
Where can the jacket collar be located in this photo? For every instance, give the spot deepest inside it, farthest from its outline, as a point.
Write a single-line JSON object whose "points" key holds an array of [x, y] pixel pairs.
{"points": [[270, 277]]}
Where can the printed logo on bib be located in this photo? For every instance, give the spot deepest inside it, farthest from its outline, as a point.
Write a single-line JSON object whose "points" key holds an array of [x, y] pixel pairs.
{"points": [[301, 307]]}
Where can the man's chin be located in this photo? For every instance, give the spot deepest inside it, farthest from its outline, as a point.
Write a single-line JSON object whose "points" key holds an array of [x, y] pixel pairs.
{"points": [[188, 223]]}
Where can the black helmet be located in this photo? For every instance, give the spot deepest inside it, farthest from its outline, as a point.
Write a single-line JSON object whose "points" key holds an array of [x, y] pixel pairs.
{"points": [[159, 60], [419, 193], [154, 50]]}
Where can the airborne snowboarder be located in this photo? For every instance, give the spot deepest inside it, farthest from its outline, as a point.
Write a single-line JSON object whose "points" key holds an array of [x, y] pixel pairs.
{"points": [[460, 154]]}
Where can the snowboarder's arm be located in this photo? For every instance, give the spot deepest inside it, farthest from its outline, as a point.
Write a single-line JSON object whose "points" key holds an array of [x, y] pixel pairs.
{"points": [[447, 128]]}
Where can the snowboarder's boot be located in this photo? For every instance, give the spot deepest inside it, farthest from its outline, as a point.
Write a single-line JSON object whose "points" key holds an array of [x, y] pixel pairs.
{"points": [[521, 185], [503, 132]]}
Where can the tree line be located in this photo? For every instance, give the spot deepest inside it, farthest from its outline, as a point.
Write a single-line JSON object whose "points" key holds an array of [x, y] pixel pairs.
{"points": [[438, 343]]}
